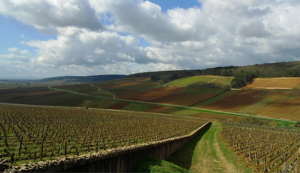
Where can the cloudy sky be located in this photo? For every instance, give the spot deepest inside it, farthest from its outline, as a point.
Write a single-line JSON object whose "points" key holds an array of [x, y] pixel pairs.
{"points": [[43, 38]]}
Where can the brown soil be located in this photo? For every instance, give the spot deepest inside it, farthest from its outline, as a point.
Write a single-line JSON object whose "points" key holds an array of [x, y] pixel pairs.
{"points": [[39, 93], [183, 99], [284, 108], [118, 105], [161, 109], [125, 83], [236, 102]]}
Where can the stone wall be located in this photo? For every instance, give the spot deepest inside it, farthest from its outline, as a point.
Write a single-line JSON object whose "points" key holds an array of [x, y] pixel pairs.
{"points": [[114, 160]]}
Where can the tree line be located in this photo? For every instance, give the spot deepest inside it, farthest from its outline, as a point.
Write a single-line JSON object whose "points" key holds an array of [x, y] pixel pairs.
{"points": [[242, 74]]}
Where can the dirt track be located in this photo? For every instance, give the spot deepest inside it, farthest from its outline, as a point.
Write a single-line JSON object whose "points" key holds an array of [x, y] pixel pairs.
{"points": [[208, 154]]}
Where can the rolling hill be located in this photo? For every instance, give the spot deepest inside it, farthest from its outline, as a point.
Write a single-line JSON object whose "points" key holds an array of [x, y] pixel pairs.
{"points": [[82, 79], [61, 80], [279, 69]]}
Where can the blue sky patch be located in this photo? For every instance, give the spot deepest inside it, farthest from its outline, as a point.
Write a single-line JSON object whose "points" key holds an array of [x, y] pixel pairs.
{"points": [[170, 4], [14, 32]]}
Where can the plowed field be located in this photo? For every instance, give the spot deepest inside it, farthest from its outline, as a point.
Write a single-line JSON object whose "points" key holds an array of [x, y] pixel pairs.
{"points": [[273, 103], [236, 102], [161, 109], [118, 105], [173, 95], [127, 85], [287, 107], [183, 99], [123, 83]]}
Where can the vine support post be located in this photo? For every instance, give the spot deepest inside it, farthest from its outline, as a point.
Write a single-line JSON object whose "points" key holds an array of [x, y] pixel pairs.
{"points": [[12, 158], [249, 153], [265, 166], [42, 148], [20, 147], [255, 162], [66, 148]]}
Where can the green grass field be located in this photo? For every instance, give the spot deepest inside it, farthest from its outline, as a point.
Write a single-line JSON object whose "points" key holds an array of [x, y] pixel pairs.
{"points": [[186, 81], [201, 90], [226, 81], [297, 86], [135, 107], [192, 80]]}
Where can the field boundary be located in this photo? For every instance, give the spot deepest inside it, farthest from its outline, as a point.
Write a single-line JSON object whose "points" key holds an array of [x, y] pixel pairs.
{"points": [[268, 88], [113, 160], [211, 97]]}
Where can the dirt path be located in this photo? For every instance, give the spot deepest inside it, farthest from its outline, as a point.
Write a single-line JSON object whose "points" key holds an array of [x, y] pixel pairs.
{"points": [[203, 158], [224, 163], [209, 155], [212, 80]]}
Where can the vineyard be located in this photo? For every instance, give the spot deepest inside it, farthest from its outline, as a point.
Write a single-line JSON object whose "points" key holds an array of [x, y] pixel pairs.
{"points": [[275, 83], [264, 148], [32, 133]]}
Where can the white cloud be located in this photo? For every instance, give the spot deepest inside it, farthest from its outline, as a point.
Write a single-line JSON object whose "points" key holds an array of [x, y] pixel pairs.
{"points": [[16, 54], [48, 14], [251, 31], [83, 47], [17, 51], [147, 20]]}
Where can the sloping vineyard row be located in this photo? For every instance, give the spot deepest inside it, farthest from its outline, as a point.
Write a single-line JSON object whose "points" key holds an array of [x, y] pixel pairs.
{"points": [[265, 148], [29, 133]]}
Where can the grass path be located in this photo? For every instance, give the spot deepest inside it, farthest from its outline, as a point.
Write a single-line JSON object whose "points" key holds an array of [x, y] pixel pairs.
{"points": [[208, 153]]}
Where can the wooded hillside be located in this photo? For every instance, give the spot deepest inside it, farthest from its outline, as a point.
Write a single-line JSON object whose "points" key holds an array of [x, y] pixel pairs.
{"points": [[242, 74]]}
